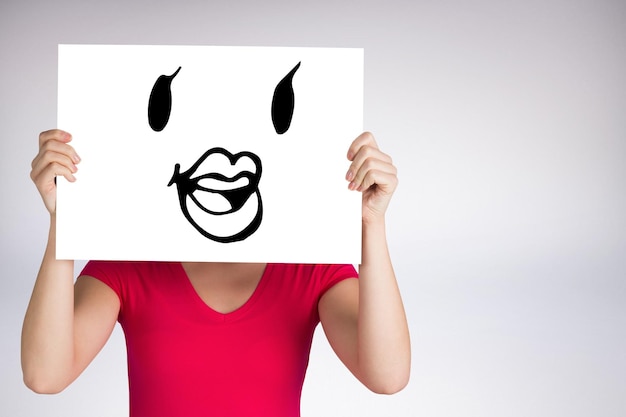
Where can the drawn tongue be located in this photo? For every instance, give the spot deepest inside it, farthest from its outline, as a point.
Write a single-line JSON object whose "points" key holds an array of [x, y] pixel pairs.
{"points": [[237, 197]]}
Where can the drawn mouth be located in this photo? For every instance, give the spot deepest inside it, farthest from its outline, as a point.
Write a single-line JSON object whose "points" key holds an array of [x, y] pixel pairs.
{"points": [[219, 203]]}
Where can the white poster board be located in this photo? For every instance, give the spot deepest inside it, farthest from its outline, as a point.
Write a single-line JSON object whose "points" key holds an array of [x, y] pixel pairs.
{"points": [[205, 153]]}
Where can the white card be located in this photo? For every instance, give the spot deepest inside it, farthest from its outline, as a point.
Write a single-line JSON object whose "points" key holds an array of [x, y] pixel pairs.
{"points": [[205, 153]]}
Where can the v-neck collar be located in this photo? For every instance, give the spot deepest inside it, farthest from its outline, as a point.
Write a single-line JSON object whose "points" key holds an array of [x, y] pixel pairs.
{"points": [[209, 311]]}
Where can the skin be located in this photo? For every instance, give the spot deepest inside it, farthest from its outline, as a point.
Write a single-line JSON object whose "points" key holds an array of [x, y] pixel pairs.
{"points": [[66, 323]]}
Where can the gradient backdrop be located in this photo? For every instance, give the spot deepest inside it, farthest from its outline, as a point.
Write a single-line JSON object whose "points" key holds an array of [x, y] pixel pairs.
{"points": [[507, 123]]}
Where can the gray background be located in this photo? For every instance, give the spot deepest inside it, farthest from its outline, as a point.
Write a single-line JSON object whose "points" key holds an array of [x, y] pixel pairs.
{"points": [[506, 121]]}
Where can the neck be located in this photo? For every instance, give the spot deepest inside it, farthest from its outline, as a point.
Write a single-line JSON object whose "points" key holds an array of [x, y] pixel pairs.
{"points": [[227, 269]]}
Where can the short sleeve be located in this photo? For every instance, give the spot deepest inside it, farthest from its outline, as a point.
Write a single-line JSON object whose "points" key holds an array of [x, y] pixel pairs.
{"points": [[110, 273], [333, 274]]}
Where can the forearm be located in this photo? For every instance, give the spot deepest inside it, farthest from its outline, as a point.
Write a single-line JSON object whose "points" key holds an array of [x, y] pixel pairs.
{"points": [[47, 333], [384, 352]]}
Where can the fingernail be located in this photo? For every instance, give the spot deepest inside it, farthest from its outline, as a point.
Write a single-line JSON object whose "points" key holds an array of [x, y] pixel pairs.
{"points": [[76, 159], [352, 186], [349, 175]]}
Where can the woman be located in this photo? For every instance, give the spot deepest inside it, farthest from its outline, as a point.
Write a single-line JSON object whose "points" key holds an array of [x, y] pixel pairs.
{"points": [[221, 339]]}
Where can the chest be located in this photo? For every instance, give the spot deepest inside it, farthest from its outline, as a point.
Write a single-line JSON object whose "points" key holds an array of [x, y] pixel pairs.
{"points": [[226, 290], [167, 302], [224, 296], [218, 358]]}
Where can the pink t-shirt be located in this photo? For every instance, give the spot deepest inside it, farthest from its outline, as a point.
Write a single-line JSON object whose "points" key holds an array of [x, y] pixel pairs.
{"points": [[186, 359]]}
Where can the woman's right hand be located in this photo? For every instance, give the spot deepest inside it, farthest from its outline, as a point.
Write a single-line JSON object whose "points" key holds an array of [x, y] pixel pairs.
{"points": [[55, 157]]}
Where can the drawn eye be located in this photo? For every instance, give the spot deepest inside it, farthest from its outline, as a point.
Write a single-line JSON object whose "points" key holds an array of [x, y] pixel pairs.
{"points": [[160, 103], [283, 102]]}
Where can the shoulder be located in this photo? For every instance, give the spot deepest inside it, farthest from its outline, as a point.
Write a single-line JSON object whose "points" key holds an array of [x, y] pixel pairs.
{"points": [[320, 277], [131, 282], [314, 271], [126, 269], [120, 275]]}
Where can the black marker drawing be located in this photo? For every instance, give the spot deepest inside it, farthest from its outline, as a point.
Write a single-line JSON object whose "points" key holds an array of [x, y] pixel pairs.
{"points": [[190, 189], [208, 207], [160, 103], [283, 102]]}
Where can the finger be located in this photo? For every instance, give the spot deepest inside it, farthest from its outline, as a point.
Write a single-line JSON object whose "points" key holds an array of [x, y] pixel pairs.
{"points": [[54, 134], [368, 152], [54, 146], [364, 139], [368, 165], [46, 183], [51, 165], [366, 155], [45, 179], [61, 147], [42, 161], [386, 181]]}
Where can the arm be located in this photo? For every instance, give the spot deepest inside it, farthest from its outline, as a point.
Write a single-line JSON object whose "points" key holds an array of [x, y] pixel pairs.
{"points": [[364, 319], [65, 324]]}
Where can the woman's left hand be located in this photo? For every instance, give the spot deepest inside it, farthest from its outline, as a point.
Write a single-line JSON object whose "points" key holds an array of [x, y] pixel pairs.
{"points": [[372, 172]]}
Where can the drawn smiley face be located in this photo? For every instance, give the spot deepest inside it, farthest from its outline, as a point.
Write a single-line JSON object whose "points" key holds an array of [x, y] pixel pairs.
{"points": [[219, 194]]}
